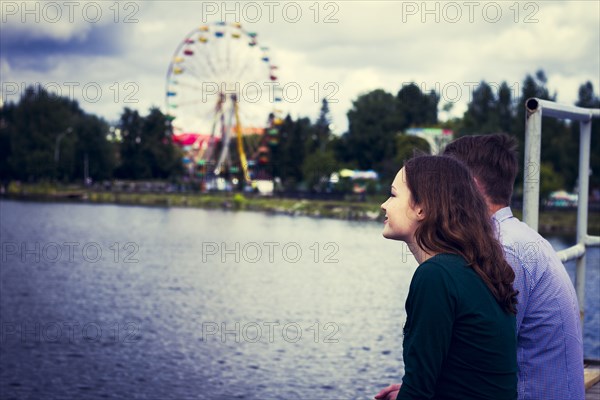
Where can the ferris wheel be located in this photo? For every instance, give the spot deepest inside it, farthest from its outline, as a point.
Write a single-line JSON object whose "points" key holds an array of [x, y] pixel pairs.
{"points": [[222, 91]]}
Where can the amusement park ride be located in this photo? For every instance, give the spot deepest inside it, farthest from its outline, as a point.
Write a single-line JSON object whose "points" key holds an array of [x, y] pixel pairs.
{"points": [[221, 97]]}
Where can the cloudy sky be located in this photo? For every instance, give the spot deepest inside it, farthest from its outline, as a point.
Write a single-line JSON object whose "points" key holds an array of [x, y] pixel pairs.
{"points": [[109, 55]]}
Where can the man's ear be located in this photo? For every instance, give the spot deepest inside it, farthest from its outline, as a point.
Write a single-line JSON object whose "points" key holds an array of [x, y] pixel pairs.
{"points": [[481, 190], [479, 186]]}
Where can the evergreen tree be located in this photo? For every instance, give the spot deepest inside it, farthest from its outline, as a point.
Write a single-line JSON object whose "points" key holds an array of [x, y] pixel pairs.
{"points": [[482, 114], [504, 108], [322, 130]]}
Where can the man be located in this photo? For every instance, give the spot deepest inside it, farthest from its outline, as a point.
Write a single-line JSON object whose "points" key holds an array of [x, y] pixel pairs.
{"points": [[549, 338]]}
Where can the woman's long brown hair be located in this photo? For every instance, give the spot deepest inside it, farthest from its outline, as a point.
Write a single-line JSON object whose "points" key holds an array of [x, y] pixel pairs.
{"points": [[457, 221]]}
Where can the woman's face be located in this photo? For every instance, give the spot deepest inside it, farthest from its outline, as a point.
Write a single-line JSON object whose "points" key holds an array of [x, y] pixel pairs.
{"points": [[402, 218]]}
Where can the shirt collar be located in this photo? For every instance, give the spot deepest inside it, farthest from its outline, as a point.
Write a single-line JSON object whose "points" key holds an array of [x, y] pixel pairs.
{"points": [[502, 214]]}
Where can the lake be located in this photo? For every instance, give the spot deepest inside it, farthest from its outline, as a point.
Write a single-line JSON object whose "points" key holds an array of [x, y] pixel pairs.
{"points": [[105, 301]]}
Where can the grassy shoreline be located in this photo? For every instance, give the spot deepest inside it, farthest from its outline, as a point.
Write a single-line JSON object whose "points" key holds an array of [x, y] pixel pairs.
{"points": [[555, 222]]}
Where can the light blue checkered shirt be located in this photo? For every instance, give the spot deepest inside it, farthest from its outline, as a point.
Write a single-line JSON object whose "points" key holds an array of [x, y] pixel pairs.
{"points": [[549, 343]]}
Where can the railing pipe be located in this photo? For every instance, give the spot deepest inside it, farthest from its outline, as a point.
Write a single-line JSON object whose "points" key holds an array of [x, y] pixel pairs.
{"points": [[585, 129], [562, 111]]}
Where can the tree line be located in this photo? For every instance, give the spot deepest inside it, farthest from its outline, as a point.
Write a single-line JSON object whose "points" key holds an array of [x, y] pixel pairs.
{"points": [[44, 137]]}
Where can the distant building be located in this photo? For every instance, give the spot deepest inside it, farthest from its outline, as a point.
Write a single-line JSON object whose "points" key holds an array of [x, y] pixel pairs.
{"points": [[436, 137]]}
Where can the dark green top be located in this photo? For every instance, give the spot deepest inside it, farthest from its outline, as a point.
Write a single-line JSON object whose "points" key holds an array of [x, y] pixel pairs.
{"points": [[458, 342]]}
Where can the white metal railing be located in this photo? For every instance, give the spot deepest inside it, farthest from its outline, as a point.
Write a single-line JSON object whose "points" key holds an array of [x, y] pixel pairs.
{"points": [[537, 108]]}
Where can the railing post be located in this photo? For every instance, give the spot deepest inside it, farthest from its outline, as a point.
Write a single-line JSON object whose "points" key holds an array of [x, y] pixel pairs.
{"points": [[585, 135], [531, 169], [531, 186]]}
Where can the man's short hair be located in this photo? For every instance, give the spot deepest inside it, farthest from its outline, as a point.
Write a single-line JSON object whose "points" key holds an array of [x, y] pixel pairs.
{"points": [[492, 160]]}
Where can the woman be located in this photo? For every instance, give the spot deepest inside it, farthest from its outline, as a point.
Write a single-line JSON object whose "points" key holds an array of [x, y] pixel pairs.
{"points": [[459, 336]]}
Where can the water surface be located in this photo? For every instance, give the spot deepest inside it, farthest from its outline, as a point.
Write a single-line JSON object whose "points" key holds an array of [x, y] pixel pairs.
{"points": [[105, 301]]}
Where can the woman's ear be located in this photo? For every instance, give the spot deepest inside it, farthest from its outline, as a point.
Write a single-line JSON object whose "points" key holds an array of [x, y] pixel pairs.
{"points": [[420, 213]]}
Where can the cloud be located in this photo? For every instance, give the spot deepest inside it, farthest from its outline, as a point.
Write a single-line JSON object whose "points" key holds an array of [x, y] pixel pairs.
{"points": [[353, 46], [36, 34], [31, 52]]}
